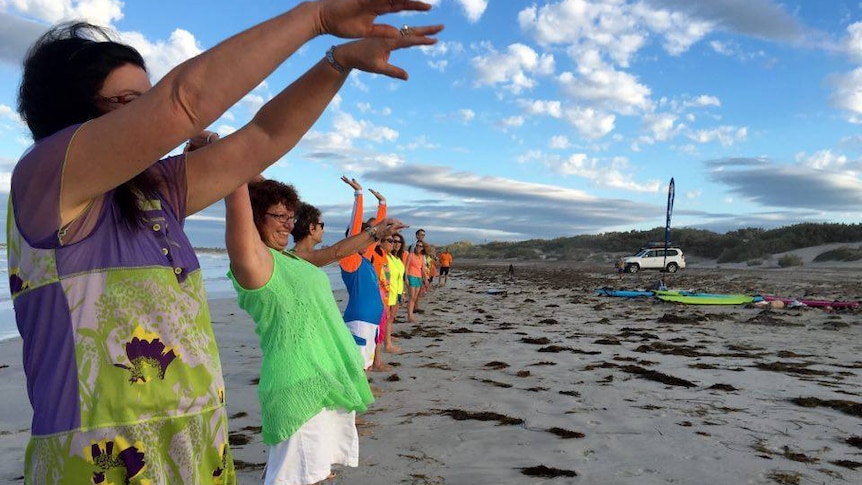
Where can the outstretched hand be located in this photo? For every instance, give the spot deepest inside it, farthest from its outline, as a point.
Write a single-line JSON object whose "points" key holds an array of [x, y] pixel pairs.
{"points": [[351, 182], [388, 227], [378, 195], [372, 54], [352, 19]]}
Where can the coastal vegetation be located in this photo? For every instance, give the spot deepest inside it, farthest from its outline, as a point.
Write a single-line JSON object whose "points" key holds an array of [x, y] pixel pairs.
{"points": [[751, 245]]}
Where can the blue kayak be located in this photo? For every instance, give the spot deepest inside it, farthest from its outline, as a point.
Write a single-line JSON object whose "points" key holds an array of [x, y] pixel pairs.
{"points": [[623, 293]]}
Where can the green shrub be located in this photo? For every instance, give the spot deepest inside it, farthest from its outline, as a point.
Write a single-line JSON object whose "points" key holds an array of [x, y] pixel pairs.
{"points": [[754, 262], [789, 260]]}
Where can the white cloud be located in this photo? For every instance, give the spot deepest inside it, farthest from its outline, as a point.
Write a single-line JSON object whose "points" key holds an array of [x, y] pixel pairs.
{"points": [[512, 121], [162, 56], [442, 48], [722, 48], [704, 100], [351, 128], [603, 86], [534, 107], [252, 102], [100, 12], [467, 115], [512, 69], [853, 41], [660, 125], [474, 9], [589, 122], [438, 65], [363, 107], [693, 194], [847, 93], [679, 30], [10, 114], [822, 160], [726, 135], [559, 142], [615, 173], [608, 27]]}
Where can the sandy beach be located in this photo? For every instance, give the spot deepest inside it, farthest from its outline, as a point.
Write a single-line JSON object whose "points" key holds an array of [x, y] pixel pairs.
{"points": [[541, 381]]}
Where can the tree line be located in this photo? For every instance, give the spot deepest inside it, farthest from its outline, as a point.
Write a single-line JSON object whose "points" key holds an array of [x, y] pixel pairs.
{"points": [[732, 247]]}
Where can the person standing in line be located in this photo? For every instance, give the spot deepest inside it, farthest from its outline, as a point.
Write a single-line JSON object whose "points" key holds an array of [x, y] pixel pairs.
{"points": [[415, 275], [445, 265], [311, 378], [365, 308], [122, 366], [396, 288]]}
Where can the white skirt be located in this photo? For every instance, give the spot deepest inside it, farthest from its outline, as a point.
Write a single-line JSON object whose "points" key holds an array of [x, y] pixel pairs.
{"points": [[329, 438]]}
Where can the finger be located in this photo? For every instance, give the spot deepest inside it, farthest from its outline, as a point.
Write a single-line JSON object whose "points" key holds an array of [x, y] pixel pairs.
{"points": [[401, 5], [425, 30], [393, 72]]}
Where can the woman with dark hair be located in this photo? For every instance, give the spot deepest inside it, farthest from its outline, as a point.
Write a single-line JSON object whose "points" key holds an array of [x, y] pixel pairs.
{"points": [[308, 233], [311, 379], [396, 288], [122, 367]]}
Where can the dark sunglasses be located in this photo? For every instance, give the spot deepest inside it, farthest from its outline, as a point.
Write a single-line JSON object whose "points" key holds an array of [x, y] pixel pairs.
{"points": [[321, 224], [390, 240]]}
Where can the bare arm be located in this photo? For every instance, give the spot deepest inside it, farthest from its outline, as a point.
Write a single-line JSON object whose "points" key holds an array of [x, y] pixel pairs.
{"points": [[250, 259], [115, 147], [350, 245]]}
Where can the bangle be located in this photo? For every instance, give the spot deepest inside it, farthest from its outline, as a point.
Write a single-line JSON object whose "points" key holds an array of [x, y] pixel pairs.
{"points": [[372, 231], [330, 58]]}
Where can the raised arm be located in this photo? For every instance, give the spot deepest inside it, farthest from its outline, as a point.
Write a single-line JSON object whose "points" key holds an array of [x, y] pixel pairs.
{"points": [[115, 147], [350, 245], [282, 122], [250, 259], [381, 206]]}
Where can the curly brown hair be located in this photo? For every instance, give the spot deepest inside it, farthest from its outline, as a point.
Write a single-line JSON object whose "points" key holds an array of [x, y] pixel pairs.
{"points": [[268, 193]]}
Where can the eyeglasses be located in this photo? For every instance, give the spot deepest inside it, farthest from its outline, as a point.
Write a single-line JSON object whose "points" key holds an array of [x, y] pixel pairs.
{"points": [[390, 240], [321, 224], [121, 99], [282, 218]]}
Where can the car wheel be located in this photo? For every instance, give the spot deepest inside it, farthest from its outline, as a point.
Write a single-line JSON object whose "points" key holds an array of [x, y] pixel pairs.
{"points": [[633, 268], [672, 267]]}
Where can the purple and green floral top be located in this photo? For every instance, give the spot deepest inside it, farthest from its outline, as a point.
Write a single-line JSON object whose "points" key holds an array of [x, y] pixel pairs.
{"points": [[122, 367]]}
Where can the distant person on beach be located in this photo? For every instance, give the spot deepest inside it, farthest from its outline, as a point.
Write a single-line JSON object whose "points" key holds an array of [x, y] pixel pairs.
{"points": [[445, 264], [123, 371], [312, 381], [511, 273], [620, 266]]}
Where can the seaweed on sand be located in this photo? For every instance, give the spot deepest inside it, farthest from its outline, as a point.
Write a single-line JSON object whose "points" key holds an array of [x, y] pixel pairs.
{"points": [[461, 415], [657, 376]]}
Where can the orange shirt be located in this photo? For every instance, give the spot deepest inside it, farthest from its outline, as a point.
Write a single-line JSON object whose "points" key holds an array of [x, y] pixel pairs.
{"points": [[445, 259]]}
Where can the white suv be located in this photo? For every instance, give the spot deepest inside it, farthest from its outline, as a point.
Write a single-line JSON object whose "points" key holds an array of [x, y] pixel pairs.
{"points": [[653, 258]]}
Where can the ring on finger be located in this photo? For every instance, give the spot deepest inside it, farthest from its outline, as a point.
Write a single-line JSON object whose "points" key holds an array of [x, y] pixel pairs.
{"points": [[405, 30]]}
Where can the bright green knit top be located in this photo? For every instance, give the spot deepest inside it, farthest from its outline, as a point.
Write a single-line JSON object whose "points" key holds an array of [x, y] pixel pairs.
{"points": [[310, 360]]}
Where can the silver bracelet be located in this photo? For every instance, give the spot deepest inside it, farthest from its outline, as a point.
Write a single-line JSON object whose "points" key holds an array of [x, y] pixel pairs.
{"points": [[330, 58]]}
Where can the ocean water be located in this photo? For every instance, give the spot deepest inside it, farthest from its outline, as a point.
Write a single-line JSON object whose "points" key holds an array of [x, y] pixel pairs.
{"points": [[213, 264]]}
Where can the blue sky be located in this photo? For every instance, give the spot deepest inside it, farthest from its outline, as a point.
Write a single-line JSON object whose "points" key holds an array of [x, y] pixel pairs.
{"points": [[543, 119]]}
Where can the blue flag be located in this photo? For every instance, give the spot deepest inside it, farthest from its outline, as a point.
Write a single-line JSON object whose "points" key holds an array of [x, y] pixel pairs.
{"points": [[670, 195]]}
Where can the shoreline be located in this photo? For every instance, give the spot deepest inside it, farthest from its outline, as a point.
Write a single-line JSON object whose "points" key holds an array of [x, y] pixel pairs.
{"points": [[616, 391]]}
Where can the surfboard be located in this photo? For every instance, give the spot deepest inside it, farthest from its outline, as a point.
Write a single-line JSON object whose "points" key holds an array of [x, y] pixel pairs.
{"points": [[705, 298]]}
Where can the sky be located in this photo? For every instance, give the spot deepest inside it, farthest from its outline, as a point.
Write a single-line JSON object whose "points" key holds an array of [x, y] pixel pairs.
{"points": [[540, 119]]}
